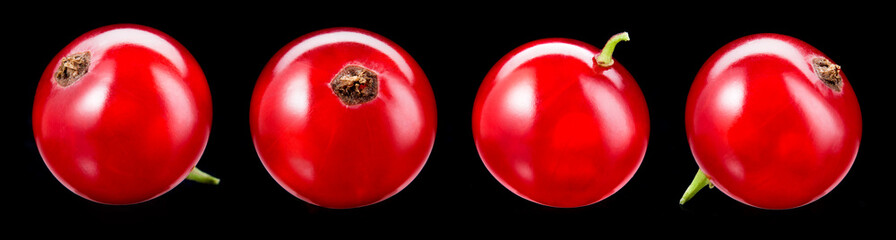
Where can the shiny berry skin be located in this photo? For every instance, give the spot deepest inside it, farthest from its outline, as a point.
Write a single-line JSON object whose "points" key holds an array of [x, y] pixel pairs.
{"points": [[335, 153], [555, 128], [133, 125], [765, 128]]}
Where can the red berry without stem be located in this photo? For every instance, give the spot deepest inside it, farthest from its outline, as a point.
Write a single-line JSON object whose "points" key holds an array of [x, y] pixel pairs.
{"points": [[343, 118]]}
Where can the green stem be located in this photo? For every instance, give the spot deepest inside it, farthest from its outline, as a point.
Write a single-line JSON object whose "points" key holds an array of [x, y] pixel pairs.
{"points": [[605, 58], [202, 177], [700, 181]]}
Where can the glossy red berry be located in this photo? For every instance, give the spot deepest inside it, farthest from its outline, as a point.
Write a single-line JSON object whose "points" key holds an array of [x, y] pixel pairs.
{"points": [[343, 118], [122, 114], [557, 122], [772, 122]]}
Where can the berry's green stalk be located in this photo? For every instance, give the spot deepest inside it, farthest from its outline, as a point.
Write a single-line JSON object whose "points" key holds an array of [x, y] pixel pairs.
{"points": [[202, 177], [605, 58], [700, 181]]}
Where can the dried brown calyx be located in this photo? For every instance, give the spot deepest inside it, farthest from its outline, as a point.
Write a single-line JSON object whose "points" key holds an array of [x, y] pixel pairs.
{"points": [[72, 68], [355, 85], [828, 72]]}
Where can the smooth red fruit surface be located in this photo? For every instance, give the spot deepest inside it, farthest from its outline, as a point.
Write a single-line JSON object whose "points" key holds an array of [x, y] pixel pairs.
{"points": [[556, 128], [765, 128], [133, 126], [334, 154]]}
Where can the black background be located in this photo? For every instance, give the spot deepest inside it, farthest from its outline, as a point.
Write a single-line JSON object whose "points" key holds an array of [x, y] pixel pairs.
{"points": [[456, 45]]}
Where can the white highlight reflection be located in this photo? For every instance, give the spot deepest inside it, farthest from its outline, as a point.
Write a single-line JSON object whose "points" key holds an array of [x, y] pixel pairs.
{"points": [[178, 102], [88, 167], [296, 95], [734, 166], [142, 38], [303, 168], [350, 37], [402, 107], [520, 102], [92, 103], [524, 170], [731, 98], [566, 49], [817, 113], [614, 114], [756, 47], [614, 77]]}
